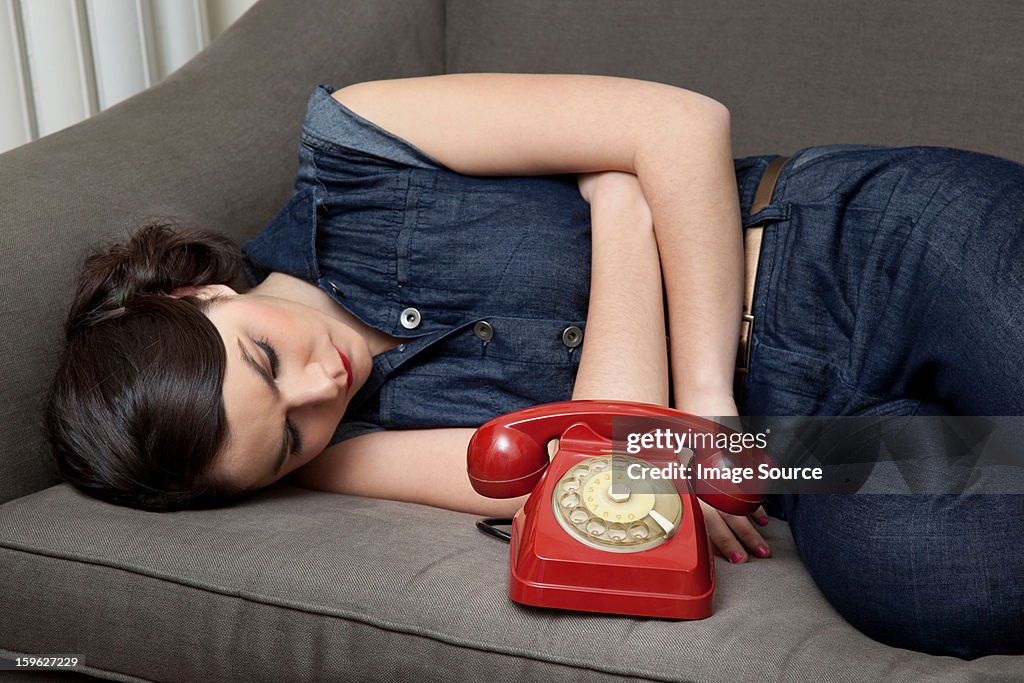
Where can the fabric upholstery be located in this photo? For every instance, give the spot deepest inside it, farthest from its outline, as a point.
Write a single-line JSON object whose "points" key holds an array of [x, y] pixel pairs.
{"points": [[793, 74], [331, 587]]}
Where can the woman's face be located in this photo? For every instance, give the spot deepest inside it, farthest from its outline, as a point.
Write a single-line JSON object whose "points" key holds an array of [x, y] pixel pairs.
{"points": [[291, 372]]}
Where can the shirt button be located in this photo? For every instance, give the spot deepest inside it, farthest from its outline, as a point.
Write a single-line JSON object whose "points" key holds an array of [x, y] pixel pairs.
{"points": [[572, 336], [483, 331], [410, 318]]}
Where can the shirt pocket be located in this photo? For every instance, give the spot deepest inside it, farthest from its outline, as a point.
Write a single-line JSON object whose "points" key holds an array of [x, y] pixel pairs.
{"points": [[500, 240]]}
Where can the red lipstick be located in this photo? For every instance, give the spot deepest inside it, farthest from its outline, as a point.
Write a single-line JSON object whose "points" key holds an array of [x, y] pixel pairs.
{"points": [[348, 368]]}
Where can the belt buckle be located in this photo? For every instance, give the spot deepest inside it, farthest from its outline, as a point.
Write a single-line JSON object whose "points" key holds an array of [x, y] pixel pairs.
{"points": [[746, 337], [743, 359]]}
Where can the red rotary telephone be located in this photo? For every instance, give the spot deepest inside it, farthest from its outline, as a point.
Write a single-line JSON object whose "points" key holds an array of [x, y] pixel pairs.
{"points": [[590, 538]]}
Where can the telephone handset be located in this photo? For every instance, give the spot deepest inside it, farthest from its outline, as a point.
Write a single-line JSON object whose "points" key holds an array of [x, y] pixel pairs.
{"points": [[593, 536]]}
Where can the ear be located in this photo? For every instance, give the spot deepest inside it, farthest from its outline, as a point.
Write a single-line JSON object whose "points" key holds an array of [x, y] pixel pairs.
{"points": [[204, 292]]}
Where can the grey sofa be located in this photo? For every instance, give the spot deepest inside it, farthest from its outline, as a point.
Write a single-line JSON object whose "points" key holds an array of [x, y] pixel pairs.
{"points": [[302, 585]]}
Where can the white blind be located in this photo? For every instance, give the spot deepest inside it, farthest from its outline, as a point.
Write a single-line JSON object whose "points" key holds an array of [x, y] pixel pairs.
{"points": [[182, 28], [17, 120], [60, 62], [123, 65], [64, 60]]}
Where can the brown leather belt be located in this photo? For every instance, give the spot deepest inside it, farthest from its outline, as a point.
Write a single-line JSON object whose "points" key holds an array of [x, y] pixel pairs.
{"points": [[752, 252]]}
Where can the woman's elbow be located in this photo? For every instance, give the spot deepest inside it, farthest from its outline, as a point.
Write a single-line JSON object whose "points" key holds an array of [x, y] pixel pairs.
{"points": [[713, 114], [691, 120]]}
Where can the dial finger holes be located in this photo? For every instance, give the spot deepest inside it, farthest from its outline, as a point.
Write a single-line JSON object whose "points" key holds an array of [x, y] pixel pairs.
{"points": [[571, 485], [639, 531], [578, 516], [584, 505]]}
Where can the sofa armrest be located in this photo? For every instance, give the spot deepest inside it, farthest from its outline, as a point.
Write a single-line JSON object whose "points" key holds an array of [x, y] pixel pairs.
{"points": [[212, 145]]}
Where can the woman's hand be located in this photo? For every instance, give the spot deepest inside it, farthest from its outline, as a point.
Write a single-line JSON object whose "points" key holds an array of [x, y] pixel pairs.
{"points": [[729, 533]]}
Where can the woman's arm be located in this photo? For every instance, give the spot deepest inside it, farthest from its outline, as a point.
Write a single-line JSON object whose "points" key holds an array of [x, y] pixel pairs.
{"points": [[624, 354], [426, 466], [674, 140]]}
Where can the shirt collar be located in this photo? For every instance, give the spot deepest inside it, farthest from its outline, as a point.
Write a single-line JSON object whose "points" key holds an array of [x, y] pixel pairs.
{"points": [[287, 244]]}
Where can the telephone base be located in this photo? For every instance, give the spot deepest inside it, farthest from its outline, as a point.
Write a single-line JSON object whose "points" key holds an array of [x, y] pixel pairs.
{"points": [[636, 604], [675, 580]]}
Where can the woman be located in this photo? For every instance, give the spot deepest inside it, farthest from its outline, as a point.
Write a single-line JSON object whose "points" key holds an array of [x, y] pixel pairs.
{"points": [[437, 265]]}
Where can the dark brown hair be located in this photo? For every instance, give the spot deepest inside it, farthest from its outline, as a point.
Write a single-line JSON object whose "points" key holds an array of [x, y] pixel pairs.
{"points": [[135, 414]]}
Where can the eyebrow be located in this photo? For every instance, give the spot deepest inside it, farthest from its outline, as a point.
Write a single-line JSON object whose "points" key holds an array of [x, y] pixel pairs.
{"points": [[259, 370]]}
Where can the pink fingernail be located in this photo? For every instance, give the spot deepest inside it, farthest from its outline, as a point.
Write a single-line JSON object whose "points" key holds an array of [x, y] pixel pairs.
{"points": [[735, 557], [762, 521], [761, 551]]}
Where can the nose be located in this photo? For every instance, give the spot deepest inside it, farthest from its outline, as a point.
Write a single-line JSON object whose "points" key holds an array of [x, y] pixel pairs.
{"points": [[315, 385]]}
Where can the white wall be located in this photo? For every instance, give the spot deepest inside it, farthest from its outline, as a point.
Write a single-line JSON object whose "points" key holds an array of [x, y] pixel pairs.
{"points": [[64, 60]]}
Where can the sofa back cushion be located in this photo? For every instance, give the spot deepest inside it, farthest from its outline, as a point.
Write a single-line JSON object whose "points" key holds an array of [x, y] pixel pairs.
{"points": [[794, 73]]}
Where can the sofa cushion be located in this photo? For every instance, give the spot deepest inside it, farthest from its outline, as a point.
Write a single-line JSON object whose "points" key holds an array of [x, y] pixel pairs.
{"points": [[793, 74], [303, 584]]}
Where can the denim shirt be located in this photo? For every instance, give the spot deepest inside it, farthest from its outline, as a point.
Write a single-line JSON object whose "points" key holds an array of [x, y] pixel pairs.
{"points": [[485, 278]]}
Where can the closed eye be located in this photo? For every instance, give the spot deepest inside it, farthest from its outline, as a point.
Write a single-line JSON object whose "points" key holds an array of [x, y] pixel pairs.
{"points": [[268, 349], [275, 364]]}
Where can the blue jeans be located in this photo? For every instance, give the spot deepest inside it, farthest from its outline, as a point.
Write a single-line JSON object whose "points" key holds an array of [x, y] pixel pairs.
{"points": [[891, 282]]}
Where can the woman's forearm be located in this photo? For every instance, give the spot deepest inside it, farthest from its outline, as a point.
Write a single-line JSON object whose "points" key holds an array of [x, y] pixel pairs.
{"points": [[624, 351], [689, 182]]}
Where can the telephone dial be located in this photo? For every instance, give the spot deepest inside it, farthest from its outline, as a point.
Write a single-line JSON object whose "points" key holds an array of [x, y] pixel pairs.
{"points": [[592, 537]]}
